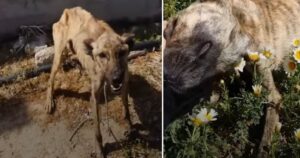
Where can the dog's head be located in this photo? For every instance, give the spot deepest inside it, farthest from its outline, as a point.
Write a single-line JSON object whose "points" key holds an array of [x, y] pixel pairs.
{"points": [[202, 41], [110, 52]]}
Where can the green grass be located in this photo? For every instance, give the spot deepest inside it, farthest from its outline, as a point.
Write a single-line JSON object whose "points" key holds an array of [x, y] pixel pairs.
{"points": [[171, 7], [239, 125]]}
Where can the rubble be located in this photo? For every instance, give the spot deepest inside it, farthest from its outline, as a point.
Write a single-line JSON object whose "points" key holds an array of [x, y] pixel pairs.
{"points": [[44, 55]]}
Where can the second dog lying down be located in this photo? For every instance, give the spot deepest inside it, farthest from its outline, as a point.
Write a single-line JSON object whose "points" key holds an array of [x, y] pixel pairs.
{"points": [[101, 52]]}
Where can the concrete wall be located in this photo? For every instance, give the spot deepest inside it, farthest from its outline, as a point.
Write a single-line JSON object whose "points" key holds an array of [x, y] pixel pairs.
{"points": [[14, 13]]}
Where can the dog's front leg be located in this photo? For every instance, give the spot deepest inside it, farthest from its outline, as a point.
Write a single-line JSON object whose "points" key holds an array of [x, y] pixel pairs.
{"points": [[125, 98], [272, 115], [59, 38], [95, 94]]}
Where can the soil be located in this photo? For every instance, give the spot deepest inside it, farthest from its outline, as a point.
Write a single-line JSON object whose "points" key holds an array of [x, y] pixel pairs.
{"points": [[26, 131]]}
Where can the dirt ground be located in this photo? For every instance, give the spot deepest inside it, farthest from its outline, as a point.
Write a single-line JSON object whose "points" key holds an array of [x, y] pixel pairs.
{"points": [[26, 131]]}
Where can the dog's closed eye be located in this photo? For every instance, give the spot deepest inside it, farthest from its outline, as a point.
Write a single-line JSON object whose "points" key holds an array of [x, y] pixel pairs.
{"points": [[204, 48]]}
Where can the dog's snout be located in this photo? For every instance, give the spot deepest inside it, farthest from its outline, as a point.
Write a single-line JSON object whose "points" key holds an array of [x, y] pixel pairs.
{"points": [[117, 78], [171, 82], [169, 78]]}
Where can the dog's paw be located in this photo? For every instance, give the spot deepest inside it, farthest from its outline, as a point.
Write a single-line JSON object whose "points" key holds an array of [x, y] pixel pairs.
{"points": [[49, 106]]}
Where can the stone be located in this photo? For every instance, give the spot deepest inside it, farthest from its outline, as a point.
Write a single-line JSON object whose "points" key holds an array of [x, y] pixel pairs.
{"points": [[44, 56]]}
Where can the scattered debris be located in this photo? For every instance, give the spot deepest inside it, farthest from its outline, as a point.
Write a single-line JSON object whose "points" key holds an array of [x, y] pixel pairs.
{"points": [[44, 55], [31, 37], [29, 73], [134, 54], [79, 126], [149, 45]]}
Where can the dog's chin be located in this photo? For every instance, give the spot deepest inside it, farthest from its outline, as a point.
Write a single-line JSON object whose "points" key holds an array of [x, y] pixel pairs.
{"points": [[116, 89]]}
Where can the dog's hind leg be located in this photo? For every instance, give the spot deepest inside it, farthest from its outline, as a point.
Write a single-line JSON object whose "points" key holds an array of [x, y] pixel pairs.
{"points": [[60, 41]]}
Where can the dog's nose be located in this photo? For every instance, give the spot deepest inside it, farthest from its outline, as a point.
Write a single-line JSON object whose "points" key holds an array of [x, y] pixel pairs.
{"points": [[173, 83], [117, 79], [170, 79]]}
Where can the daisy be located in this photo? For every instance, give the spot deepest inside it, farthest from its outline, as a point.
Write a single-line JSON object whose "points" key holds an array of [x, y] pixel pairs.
{"points": [[208, 116], [240, 66], [297, 55], [257, 90], [211, 116], [267, 53], [290, 66], [199, 118], [196, 120], [203, 117], [253, 56], [296, 42], [297, 134]]}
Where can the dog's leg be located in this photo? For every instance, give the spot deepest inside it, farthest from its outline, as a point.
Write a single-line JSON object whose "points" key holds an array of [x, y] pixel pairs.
{"points": [[272, 116], [59, 39], [96, 92], [125, 98]]}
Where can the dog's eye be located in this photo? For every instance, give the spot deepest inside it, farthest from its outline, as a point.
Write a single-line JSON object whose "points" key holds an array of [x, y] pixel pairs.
{"points": [[102, 55]]}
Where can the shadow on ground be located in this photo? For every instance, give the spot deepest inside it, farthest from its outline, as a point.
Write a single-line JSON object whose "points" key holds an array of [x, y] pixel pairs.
{"points": [[147, 104], [13, 114]]}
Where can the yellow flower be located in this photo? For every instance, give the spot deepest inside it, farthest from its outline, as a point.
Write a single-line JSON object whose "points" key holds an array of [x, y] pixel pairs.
{"points": [[290, 66], [297, 134], [240, 66], [257, 90], [203, 117], [196, 121], [267, 53], [296, 42], [211, 116], [254, 56], [297, 55]]}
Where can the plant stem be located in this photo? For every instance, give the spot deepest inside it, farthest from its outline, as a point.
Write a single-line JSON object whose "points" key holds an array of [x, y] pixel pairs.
{"points": [[204, 141], [194, 130], [255, 71]]}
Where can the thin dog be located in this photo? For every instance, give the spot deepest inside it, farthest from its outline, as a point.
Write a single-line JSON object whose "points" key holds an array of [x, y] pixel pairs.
{"points": [[101, 52]]}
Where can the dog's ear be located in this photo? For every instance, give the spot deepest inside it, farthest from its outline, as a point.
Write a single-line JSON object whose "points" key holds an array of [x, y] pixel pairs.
{"points": [[88, 46], [170, 27], [128, 39]]}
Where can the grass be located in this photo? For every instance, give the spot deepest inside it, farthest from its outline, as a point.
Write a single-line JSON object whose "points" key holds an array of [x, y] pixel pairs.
{"points": [[171, 7], [239, 125]]}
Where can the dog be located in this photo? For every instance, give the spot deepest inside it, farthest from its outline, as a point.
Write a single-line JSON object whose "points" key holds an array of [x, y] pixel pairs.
{"points": [[209, 37], [101, 52]]}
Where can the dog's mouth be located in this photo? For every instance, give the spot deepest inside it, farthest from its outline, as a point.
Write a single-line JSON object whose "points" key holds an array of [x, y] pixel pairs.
{"points": [[116, 88]]}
